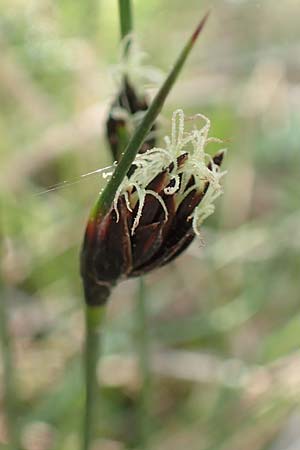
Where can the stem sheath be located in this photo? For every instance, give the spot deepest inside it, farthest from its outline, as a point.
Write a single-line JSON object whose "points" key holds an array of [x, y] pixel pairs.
{"points": [[94, 318]]}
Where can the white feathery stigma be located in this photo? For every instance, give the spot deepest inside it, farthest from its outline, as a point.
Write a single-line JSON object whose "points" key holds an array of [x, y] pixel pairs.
{"points": [[196, 163]]}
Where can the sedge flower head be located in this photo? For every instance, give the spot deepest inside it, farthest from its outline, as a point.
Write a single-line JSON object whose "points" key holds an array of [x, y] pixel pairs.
{"points": [[157, 211]]}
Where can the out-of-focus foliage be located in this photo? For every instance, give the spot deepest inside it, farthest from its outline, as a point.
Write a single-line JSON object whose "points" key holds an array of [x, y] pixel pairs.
{"points": [[224, 319]]}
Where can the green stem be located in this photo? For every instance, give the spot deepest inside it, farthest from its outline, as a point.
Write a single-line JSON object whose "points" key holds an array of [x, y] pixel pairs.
{"points": [[9, 384], [94, 316], [144, 364], [125, 12], [106, 198]]}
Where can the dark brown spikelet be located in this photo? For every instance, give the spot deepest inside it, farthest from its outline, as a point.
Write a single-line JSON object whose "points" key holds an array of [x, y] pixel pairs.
{"points": [[112, 252], [119, 129]]}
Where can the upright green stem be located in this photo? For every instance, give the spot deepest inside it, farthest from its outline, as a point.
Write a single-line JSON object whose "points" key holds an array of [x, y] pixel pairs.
{"points": [[125, 13], [9, 384], [144, 363], [94, 316]]}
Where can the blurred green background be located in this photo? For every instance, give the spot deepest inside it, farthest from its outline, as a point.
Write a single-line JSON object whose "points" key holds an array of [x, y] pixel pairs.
{"points": [[224, 319]]}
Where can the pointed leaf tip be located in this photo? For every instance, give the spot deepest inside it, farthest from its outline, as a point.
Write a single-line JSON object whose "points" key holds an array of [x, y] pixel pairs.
{"points": [[199, 27]]}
